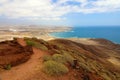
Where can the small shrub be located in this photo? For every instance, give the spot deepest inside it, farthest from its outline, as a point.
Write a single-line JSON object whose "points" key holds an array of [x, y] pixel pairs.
{"points": [[68, 58], [36, 44], [59, 58], [47, 57], [15, 38], [54, 68], [26, 38], [30, 43], [40, 46], [8, 67]]}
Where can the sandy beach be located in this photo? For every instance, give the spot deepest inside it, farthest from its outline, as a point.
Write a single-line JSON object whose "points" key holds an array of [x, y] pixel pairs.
{"points": [[42, 33]]}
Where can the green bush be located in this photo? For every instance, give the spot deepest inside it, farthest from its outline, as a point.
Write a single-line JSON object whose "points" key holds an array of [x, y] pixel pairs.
{"points": [[30, 43], [40, 46], [54, 68], [59, 58], [68, 58], [47, 57], [8, 67], [15, 38], [36, 44]]}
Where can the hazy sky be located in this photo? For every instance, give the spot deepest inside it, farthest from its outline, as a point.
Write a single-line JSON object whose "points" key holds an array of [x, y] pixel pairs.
{"points": [[60, 12]]}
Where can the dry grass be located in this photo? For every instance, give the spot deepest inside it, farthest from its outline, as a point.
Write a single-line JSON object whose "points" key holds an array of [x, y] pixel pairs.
{"points": [[36, 44], [54, 68]]}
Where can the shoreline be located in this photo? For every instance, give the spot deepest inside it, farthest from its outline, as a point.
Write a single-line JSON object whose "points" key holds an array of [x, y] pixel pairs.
{"points": [[43, 33]]}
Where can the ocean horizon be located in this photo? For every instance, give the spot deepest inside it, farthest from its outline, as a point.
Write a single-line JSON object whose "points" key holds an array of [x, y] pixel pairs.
{"points": [[109, 33]]}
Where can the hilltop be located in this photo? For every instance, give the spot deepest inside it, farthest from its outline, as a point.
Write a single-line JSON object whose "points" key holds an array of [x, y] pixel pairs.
{"points": [[59, 59]]}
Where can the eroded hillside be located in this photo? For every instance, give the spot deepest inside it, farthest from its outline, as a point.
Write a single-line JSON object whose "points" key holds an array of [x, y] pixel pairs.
{"points": [[60, 59]]}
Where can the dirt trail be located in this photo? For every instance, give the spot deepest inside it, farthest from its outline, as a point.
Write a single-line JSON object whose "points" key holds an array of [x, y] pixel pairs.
{"points": [[25, 70]]}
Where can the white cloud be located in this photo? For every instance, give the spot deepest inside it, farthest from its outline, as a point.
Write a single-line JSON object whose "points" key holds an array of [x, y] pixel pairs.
{"points": [[107, 5], [30, 8], [3, 1], [49, 10]]}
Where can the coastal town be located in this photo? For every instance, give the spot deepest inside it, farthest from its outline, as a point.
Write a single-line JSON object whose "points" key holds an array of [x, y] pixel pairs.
{"points": [[9, 32]]}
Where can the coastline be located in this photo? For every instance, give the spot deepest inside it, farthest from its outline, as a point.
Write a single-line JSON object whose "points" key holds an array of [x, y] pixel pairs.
{"points": [[90, 33], [45, 34], [42, 33]]}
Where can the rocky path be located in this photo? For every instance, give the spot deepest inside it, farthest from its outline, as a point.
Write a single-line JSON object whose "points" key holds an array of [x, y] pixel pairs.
{"points": [[25, 70]]}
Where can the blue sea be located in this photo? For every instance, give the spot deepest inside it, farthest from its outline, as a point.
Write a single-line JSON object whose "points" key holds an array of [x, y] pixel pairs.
{"points": [[110, 33]]}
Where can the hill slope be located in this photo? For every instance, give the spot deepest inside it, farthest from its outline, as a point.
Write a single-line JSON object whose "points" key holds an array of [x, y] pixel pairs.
{"points": [[86, 59]]}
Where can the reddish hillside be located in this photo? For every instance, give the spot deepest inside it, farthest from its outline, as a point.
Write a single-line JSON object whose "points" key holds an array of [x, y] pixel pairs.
{"points": [[93, 62], [11, 52]]}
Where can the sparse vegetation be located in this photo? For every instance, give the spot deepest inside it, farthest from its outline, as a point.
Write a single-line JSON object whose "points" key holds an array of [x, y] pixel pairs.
{"points": [[8, 67], [36, 44], [30, 43], [54, 65], [41, 46], [59, 58], [61, 55], [68, 57], [54, 68], [15, 38], [105, 76], [47, 57]]}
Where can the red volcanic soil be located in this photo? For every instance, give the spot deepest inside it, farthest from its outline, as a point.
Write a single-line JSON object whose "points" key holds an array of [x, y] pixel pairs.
{"points": [[13, 53], [25, 70], [30, 60]]}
